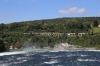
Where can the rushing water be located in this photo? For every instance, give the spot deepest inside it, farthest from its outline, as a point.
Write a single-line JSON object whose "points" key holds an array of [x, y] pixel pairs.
{"points": [[51, 58]]}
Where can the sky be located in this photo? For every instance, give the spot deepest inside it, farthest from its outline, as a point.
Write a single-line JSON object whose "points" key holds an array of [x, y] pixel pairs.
{"points": [[28, 10]]}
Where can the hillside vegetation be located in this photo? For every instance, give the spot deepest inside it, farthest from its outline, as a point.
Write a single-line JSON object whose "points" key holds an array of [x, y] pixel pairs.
{"points": [[24, 34]]}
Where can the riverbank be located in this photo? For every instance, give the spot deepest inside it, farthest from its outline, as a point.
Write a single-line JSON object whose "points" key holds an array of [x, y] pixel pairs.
{"points": [[56, 48]]}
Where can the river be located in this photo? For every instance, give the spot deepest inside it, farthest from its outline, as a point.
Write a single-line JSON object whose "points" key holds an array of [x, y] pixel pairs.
{"points": [[51, 58]]}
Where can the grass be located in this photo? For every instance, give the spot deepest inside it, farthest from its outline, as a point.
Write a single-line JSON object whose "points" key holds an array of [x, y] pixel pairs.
{"points": [[96, 30]]}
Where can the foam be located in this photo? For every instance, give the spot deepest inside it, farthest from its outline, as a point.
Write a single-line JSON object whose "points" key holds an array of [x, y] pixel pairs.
{"points": [[51, 62], [20, 52], [91, 60], [12, 53]]}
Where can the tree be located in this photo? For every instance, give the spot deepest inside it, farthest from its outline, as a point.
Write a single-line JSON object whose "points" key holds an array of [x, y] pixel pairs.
{"points": [[2, 30], [95, 23], [2, 46]]}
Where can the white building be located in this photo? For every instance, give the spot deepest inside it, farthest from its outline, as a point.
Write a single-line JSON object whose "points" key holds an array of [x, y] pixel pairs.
{"points": [[99, 25]]}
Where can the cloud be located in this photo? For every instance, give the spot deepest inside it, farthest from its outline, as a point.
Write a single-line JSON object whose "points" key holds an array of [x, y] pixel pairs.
{"points": [[74, 10]]}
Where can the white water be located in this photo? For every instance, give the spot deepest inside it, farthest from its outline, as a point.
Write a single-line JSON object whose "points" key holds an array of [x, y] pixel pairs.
{"points": [[29, 56], [20, 52], [12, 53], [91, 60], [53, 61]]}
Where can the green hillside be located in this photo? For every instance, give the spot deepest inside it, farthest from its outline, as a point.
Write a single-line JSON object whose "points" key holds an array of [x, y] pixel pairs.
{"points": [[27, 33]]}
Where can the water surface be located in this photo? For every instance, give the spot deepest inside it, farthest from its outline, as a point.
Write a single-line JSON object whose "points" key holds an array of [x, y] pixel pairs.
{"points": [[51, 58]]}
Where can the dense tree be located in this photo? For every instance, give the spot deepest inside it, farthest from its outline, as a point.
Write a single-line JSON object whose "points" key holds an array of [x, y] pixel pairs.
{"points": [[2, 46], [95, 23]]}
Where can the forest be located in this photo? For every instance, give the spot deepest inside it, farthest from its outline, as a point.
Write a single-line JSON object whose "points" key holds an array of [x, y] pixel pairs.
{"points": [[23, 34]]}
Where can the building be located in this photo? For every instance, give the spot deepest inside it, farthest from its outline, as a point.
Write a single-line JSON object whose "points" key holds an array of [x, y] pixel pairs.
{"points": [[99, 25]]}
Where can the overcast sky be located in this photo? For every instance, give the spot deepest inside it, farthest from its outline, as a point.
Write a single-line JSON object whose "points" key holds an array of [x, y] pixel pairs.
{"points": [[24, 10]]}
